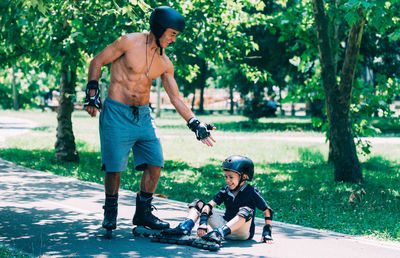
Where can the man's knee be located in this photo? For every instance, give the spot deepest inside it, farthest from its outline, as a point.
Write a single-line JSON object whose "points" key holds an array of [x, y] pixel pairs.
{"points": [[246, 213], [153, 169], [112, 176], [197, 204]]}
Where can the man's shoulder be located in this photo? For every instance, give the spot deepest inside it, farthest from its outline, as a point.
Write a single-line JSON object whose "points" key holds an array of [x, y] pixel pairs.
{"points": [[131, 36]]}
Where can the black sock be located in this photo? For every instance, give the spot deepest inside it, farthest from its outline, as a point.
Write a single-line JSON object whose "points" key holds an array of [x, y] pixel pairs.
{"points": [[144, 196], [111, 200]]}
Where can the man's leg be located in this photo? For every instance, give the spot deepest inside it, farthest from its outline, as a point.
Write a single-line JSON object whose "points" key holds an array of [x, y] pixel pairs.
{"points": [[112, 181], [143, 215], [150, 178]]}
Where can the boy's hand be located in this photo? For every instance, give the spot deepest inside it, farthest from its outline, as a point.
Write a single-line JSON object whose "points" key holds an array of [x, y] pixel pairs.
{"points": [[267, 240], [267, 234], [201, 231]]}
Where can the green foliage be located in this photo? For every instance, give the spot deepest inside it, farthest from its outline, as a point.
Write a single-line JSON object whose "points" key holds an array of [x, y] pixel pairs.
{"points": [[32, 86], [6, 251]]}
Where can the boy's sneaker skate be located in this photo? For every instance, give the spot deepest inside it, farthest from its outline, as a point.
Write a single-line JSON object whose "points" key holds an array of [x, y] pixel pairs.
{"points": [[210, 241], [178, 235], [146, 223]]}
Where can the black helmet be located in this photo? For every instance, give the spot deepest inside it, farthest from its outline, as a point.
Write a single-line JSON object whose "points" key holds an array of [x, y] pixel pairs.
{"points": [[240, 164], [165, 17]]}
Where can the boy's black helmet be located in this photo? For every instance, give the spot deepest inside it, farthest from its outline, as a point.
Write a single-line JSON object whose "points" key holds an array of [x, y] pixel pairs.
{"points": [[240, 164], [165, 17]]}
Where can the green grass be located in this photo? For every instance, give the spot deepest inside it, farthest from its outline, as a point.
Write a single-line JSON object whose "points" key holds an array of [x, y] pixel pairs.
{"points": [[292, 175], [7, 252]]}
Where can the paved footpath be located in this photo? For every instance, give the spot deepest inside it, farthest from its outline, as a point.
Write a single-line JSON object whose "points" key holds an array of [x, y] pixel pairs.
{"points": [[47, 215]]}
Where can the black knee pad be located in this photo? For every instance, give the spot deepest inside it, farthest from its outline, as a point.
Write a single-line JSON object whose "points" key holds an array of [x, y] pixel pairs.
{"points": [[198, 204], [246, 213]]}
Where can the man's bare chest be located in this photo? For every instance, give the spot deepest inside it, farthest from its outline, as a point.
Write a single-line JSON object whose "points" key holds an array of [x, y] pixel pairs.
{"points": [[136, 61]]}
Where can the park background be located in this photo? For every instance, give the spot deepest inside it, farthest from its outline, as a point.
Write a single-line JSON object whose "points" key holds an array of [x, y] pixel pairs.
{"points": [[327, 158]]}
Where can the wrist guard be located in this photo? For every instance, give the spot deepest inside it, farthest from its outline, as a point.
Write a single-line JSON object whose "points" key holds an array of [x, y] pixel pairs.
{"points": [[203, 218], [203, 221], [267, 233], [202, 130], [93, 101]]}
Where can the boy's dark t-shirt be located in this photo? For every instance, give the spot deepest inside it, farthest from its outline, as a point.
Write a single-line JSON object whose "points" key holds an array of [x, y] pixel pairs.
{"points": [[247, 196]]}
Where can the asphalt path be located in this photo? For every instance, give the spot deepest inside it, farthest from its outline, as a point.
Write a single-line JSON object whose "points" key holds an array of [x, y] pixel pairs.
{"points": [[52, 216]]}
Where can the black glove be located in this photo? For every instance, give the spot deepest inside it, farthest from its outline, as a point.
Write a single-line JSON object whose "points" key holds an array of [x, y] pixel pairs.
{"points": [[202, 130], [267, 234], [93, 101]]}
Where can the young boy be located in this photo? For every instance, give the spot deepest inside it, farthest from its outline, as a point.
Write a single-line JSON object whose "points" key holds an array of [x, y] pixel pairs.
{"points": [[237, 223]]}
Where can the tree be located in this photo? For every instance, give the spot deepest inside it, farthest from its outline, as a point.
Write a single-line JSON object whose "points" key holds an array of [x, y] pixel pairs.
{"points": [[338, 95], [66, 33], [214, 36]]}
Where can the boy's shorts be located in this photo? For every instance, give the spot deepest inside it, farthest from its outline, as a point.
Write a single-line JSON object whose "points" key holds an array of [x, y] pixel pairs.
{"points": [[243, 233], [122, 128]]}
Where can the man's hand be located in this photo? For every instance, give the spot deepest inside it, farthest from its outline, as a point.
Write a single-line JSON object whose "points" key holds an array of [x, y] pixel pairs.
{"points": [[267, 234], [92, 99], [202, 131]]}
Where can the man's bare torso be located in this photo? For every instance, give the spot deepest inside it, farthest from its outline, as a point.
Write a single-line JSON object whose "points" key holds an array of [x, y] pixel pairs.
{"points": [[129, 82]]}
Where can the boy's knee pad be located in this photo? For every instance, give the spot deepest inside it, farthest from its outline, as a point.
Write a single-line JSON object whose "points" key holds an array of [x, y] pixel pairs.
{"points": [[198, 204], [246, 213]]}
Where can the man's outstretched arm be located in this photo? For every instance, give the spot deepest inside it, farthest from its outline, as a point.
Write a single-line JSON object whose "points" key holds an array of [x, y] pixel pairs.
{"points": [[202, 130]]}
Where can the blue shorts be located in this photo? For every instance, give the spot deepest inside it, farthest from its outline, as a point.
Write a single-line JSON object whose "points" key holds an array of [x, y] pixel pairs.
{"points": [[124, 127]]}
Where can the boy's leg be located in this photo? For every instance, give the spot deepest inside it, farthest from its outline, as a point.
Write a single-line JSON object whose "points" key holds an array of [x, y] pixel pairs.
{"points": [[216, 221], [239, 227], [222, 229], [240, 224], [212, 240], [181, 233]]}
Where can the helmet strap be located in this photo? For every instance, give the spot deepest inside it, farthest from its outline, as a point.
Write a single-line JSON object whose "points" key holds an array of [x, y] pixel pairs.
{"points": [[239, 184], [159, 45]]}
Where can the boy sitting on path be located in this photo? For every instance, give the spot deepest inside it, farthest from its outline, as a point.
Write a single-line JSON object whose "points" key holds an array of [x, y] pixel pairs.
{"points": [[240, 199]]}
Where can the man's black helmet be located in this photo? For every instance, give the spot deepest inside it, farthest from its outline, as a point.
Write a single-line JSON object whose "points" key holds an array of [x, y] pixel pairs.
{"points": [[240, 164], [165, 17]]}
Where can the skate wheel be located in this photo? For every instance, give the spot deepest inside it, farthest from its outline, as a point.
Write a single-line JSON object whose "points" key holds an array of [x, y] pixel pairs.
{"points": [[163, 240], [154, 239], [213, 248], [134, 232], [171, 241], [108, 234]]}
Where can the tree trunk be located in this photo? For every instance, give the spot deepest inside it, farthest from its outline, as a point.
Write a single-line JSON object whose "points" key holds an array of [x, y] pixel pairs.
{"points": [[194, 98], [342, 151], [232, 105], [15, 90], [65, 144], [203, 77]]}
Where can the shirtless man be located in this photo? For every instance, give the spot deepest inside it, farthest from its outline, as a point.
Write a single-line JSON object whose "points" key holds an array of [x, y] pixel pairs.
{"points": [[125, 121]]}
